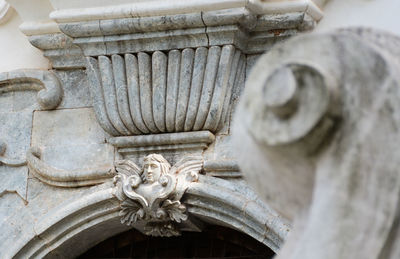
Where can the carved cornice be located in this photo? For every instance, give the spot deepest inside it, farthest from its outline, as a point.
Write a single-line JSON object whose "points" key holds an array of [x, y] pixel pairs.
{"points": [[159, 8], [245, 27], [47, 84], [251, 26], [59, 49]]}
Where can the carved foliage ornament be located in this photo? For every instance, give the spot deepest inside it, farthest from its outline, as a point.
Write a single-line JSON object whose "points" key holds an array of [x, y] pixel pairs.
{"points": [[152, 194]]}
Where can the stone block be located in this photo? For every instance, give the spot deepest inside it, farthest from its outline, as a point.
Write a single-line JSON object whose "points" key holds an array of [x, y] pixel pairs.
{"points": [[15, 138], [71, 139], [76, 90]]}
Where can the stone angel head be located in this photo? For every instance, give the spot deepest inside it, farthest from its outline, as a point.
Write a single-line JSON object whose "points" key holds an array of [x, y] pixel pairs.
{"points": [[154, 166]]}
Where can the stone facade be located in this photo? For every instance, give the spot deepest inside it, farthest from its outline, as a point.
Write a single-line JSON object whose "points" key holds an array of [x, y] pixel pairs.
{"points": [[141, 93], [130, 127]]}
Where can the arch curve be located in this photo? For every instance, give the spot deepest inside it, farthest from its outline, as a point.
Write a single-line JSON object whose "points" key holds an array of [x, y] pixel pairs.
{"points": [[73, 227]]}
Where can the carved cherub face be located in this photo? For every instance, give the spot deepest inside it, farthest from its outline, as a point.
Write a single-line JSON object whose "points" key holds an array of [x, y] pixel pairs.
{"points": [[151, 171], [154, 166]]}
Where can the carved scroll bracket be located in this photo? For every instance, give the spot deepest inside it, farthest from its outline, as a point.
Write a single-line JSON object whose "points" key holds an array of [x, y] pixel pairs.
{"points": [[47, 84], [151, 194]]}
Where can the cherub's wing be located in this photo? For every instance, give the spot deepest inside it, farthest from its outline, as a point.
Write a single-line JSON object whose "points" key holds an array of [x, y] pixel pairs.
{"points": [[187, 164], [127, 167]]}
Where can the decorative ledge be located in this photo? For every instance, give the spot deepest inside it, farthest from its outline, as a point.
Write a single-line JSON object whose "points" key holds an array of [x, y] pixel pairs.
{"points": [[156, 8], [222, 168], [171, 145]]}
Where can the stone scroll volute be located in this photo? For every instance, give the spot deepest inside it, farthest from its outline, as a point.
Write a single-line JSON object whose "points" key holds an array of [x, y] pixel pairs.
{"points": [[319, 124]]}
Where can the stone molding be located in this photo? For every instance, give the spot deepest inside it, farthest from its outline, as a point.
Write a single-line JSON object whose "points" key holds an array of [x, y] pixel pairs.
{"points": [[171, 145], [47, 84], [238, 208], [65, 178], [59, 49], [248, 31], [222, 168], [251, 26], [160, 8]]}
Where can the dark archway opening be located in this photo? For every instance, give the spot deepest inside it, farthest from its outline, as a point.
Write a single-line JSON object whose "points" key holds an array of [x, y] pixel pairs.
{"points": [[212, 242]]}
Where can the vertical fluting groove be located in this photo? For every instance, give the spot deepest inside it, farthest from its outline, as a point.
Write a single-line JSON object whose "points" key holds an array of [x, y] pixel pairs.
{"points": [[220, 88], [185, 81], [210, 75], [146, 103], [96, 92], [132, 76], [237, 70], [159, 80], [174, 62], [110, 97], [121, 90], [200, 60]]}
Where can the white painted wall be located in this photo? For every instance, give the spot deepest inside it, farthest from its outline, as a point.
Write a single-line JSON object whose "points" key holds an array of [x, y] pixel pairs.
{"points": [[15, 50], [382, 14]]}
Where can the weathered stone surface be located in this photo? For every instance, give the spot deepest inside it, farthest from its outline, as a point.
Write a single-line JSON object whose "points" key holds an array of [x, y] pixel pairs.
{"points": [[151, 195], [160, 78], [164, 107], [173, 146], [47, 84], [74, 135], [14, 143], [59, 49], [334, 172], [76, 89]]}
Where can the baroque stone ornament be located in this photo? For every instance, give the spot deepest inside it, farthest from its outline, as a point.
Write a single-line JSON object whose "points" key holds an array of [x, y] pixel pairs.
{"points": [[188, 90], [50, 92], [152, 194], [319, 124]]}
